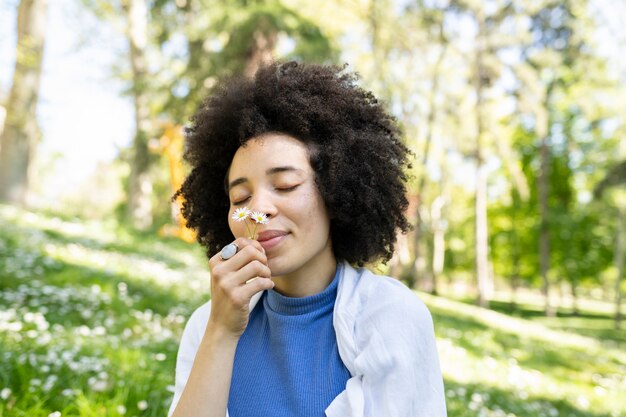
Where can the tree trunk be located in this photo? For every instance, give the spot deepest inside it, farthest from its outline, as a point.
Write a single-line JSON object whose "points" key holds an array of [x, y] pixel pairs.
{"points": [[514, 286], [543, 124], [516, 260], [377, 17], [439, 242], [480, 230], [480, 202], [139, 210], [261, 49], [619, 264], [418, 256], [574, 288], [21, 131]]}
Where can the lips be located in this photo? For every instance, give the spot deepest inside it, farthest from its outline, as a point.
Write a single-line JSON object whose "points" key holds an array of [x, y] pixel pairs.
{"points": [[270, 238], [270, 234]]}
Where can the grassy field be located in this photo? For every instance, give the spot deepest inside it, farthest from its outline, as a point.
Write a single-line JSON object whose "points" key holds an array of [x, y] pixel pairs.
{"points": [[91, 316]]}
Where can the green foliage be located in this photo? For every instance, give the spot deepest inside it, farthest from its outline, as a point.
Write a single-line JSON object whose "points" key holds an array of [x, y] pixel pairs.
{"points": [[495, 364], [91, 317], [204, 41], [544, 76]]}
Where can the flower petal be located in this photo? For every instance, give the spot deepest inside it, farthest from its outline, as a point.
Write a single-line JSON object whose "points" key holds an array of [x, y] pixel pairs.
{"points": [[241, 214], [259, 217]]}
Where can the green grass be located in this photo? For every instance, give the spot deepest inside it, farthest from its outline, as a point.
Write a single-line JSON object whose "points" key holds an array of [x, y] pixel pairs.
{"points": [[91, 317]]}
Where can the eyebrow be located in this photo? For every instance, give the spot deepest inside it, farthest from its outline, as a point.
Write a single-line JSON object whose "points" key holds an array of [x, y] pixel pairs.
{"points": [[270, 171]]}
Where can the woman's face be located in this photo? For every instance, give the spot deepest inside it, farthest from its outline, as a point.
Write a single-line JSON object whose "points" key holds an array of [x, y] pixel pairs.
{"points": [[272, 174]]}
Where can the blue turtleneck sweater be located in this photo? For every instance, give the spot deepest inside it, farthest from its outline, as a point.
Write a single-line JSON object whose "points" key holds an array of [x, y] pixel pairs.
{"points": [[287, 363]]}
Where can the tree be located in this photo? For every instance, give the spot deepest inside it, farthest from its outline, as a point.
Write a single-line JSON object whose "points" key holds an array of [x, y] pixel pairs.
{"points": [[486, 69], [614, 178], [189, 46], [557, 61], [139, 207], [202, 41], [21, 132], [481, 80]]}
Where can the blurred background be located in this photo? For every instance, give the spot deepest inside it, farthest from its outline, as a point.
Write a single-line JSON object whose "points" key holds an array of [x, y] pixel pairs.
{"points": [[514, 110]]}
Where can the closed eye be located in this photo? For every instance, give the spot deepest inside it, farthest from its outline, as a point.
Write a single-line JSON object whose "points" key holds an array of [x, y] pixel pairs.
{"points": [[280, 189], [237, 203], [287, 189]]}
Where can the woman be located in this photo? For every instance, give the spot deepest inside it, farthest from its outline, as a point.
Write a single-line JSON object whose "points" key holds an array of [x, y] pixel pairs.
{"points": [[293, 328]]}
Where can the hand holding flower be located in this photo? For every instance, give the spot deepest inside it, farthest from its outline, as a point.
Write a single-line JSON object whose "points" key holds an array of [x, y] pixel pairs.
{"points": [[244, 214]]}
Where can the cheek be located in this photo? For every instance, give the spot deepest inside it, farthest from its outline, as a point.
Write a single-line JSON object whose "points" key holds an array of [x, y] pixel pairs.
{"points": [[235, 227], [314, 212]]}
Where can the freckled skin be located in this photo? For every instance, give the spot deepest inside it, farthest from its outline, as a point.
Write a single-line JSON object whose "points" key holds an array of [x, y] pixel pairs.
{"points": [[303, 263]]}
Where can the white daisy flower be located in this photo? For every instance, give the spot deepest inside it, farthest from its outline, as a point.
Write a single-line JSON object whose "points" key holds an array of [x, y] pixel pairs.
{"points": [[259, 217], [241, 214], [5, 393]]}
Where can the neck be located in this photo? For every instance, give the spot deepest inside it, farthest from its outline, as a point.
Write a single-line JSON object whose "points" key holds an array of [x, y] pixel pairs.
{"points": [[310, 279]]}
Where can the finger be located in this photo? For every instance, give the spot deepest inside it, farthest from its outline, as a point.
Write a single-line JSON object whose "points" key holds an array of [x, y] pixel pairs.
{"points": [[252, 270], [247, 291], [245, 255], [244, 241], [241, 243], [228, 274]]}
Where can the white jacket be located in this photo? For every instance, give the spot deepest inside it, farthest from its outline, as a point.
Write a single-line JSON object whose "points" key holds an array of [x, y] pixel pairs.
{"points": [[385, 339]]}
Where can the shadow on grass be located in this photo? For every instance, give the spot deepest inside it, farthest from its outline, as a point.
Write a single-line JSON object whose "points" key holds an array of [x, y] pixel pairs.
{"points": [[141, 293], [145, 244], [528, 312], [465, 400], [481, 341], [596, 325], [599, 326], [135, 246]]}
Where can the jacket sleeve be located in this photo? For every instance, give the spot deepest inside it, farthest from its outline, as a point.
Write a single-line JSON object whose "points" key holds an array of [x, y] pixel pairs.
{"points": [[395, 366], [190, 341], [398, 357]]}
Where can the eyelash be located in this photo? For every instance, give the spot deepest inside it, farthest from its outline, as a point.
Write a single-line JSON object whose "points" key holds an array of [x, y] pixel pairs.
{"points": [[285, 190], [288, 188]]}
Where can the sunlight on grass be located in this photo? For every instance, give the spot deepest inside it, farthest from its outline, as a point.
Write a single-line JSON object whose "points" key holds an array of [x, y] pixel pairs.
{"points": [[91, 318], [529, 361], [510, 324]]}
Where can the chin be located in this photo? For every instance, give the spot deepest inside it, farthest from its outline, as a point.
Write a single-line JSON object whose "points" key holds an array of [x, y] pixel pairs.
{"points": [[278, 268]]}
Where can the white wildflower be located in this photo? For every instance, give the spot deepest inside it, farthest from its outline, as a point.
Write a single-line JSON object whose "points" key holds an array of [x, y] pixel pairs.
{"points": [[241, 214], [5, 393], [259, 217]]}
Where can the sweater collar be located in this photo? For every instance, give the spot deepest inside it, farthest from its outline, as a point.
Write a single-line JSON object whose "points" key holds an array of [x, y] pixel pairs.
{"points": [[303, 305]]}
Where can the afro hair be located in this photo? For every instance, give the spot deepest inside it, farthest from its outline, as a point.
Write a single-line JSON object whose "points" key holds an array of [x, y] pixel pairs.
{"points": [[359, 160]]}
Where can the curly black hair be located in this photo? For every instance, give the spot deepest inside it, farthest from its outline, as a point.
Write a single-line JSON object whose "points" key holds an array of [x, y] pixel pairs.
{"points": [[355, 149]]}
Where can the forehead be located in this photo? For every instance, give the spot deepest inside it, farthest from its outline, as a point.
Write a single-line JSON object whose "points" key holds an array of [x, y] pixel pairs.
{"points": [[269, 151]]}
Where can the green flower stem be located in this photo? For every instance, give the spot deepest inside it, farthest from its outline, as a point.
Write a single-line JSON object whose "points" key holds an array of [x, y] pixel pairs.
{"points": [[248, 227], [254, 231]]}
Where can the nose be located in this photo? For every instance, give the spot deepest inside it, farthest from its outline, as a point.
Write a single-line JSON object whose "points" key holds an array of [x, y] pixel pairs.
{"points": [[262, 201]]}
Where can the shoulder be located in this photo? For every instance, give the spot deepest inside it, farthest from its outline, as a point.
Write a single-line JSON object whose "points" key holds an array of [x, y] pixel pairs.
{"points": [[388, 325], [384, 298], [391, 301], [384, 314]]}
